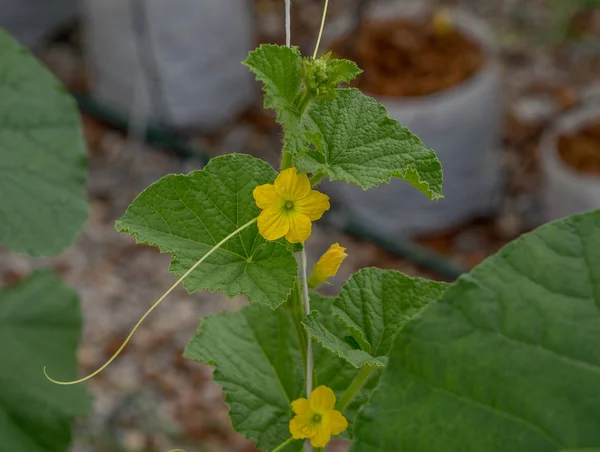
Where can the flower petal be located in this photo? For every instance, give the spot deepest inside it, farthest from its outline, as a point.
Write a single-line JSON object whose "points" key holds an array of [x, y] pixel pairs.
{"points": [[321, 437], [273, 224], [337, 423], [265, 196], [301, 406], [322, 399], [313, 205], [298, 427], [300, 228], [292, 186]]}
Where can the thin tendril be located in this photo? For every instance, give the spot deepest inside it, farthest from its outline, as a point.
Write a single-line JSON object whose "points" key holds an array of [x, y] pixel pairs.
{"points": [[321, 30], [149, 311], [282, 445], [288, 23]]}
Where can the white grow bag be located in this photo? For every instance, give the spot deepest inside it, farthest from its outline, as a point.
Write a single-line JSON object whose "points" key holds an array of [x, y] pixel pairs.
{"points": [[31, 21], [566, 190], [463, 126], [186, 69]]}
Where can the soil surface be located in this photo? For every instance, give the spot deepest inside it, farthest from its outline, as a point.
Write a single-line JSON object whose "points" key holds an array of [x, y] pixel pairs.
{"points": [[407, 58], [581, 149]]}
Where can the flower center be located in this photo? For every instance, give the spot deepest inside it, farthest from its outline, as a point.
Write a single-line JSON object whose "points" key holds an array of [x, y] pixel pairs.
{"points": [[289, 205], [317, 418]]}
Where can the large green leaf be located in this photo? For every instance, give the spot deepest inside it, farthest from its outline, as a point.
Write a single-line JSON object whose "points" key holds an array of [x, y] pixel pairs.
{"points": [[187, 215], [257, 361], [40, 324], [374, 304], [363, 146], [507, 361], [43, 157]]}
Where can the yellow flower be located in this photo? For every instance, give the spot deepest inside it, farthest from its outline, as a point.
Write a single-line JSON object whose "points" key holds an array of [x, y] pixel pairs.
{"points": [[316, 419], [327, 265], [288, 207]]}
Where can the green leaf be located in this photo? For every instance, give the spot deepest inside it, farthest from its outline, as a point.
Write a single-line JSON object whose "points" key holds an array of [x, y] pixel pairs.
{"points": [[363, 146], [43, 160], [342, 71], [279, 68], [374, 304], [330, 341], [40, 325], [187, 215], [507, 361], [332, 371], [257, 362], [256, 356]]}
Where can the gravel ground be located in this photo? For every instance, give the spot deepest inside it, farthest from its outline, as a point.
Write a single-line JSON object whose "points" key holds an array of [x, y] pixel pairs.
{"points": [[150, 399]]}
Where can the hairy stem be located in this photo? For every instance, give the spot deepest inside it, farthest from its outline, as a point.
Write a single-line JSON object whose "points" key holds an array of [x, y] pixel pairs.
{"points": [[309, 357], [295, 309], [361, 378], [152, 308]]}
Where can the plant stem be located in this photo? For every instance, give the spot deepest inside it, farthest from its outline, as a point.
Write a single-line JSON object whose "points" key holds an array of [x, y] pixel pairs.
{"points": [[295, 308], [354, 387], [282, 445], [286, 161], [307, 96], [309, 357], [321, 30]]}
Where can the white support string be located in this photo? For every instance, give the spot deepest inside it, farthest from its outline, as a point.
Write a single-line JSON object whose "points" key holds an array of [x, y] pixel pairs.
{"points": [[288, 23]]}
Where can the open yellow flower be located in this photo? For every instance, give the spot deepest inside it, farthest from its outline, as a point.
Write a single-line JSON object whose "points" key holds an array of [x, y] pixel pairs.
{"points": [[327, 265], [289, 205], [316, 418]]}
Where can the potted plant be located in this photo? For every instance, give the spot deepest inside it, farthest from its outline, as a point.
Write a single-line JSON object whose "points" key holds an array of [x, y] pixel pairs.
{"points": [[142, 62], [570, 156], [439, 77]]}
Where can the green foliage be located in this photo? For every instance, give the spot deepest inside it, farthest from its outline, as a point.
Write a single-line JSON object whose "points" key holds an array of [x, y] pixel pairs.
{"points": [[374, 305], [187, 215], [40, 323], [340, 133], [279, 68], [322, 76], [507, 361], [42, 157], [252, 351], [363, 146]]}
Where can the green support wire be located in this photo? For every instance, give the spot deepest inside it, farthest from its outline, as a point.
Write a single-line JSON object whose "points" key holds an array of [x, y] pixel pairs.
{"points": [[174, 142]]}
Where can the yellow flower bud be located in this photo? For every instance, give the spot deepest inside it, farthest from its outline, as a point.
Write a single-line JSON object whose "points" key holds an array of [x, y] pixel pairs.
{"points": [[442, 21], [327, 266]]}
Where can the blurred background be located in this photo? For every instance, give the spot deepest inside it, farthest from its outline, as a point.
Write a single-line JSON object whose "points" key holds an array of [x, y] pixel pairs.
{"points": [[507, 92]]}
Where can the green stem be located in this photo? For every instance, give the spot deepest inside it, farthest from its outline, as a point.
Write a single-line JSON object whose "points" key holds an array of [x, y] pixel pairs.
{"points": [[295, 308], [354, 387], [306, 305], [286, 161], [306, 98], [282, 445]]}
